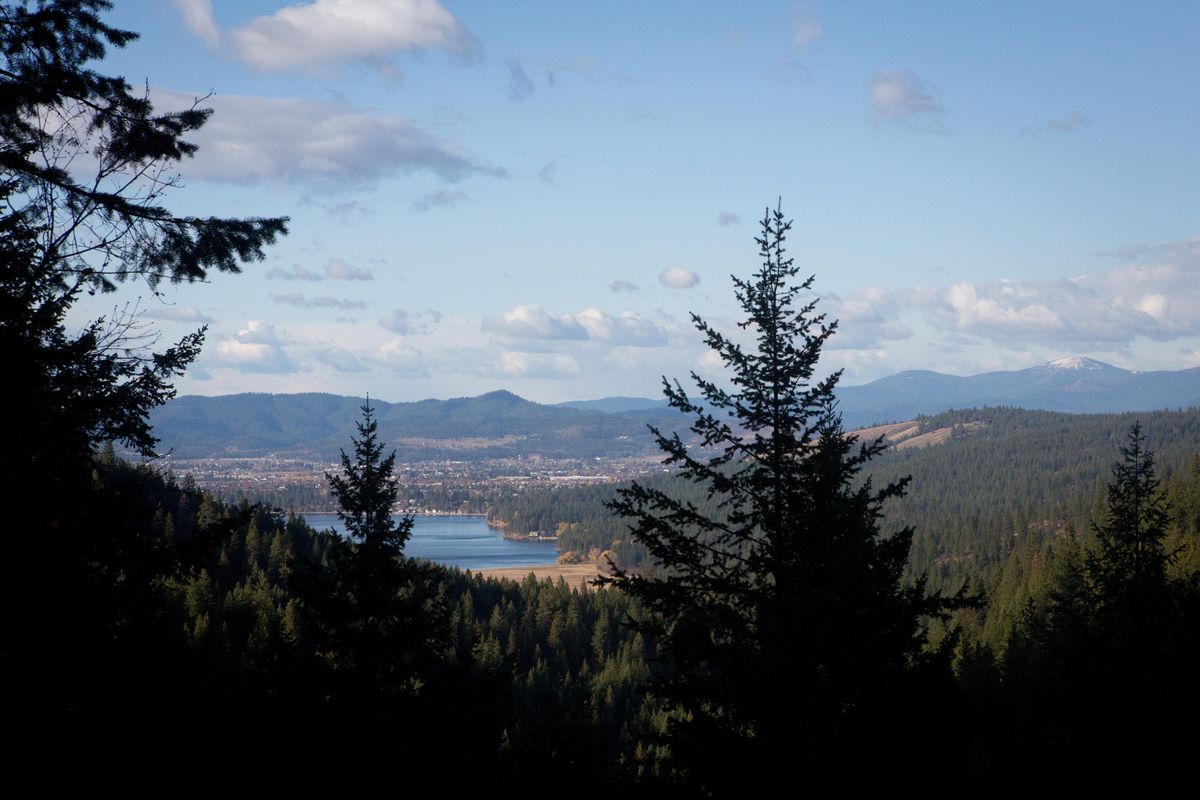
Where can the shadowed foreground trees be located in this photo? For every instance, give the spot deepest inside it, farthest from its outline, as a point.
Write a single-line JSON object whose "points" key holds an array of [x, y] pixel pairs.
{"points": [[376, 615], [792, 646], [1099, 666], [87, 634]]}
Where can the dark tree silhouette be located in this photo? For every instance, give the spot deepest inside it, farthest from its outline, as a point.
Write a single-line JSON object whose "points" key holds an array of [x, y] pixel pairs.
{"points": [[88, 634], [369, 605], [366, 492], [60, 118], [1130, 562], [788, 634]]}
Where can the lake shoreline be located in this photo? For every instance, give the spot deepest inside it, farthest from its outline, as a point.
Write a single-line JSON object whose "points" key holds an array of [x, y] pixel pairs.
{"points": [[576, 575]]}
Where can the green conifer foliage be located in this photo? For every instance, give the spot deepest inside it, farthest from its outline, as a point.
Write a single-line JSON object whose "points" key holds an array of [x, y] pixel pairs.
{"points": [[366, 492], [1130, 562], [787, 631]]}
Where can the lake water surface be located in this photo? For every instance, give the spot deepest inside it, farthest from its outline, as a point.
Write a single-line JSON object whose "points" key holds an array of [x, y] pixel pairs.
{"points": [[463, 542]]}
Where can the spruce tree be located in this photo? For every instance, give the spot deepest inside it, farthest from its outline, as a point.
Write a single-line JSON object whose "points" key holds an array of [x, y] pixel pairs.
{"points": [[376, 615], [366, 492], [1130, 562], [787, 632]]}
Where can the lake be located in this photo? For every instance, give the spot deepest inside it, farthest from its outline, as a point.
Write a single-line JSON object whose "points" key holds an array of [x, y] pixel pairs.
{"points": [[466, 542]]}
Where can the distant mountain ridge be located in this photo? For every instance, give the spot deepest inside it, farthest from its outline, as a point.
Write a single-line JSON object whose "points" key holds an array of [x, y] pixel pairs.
{"points": [[502, 425], [1075, 384], [615, 405], [495, 425]]}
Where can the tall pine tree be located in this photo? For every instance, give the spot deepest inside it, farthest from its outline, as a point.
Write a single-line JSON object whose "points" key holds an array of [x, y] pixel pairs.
{"points": [[788, 635]]}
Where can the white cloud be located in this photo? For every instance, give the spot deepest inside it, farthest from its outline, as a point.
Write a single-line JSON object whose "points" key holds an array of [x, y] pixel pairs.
{"points": [[179, 314], [251, 140], [534, 322], [866, 317], [513, 364], [336, 269], [628, 328], [294, 273], [403, 360], [899, 96], [1155, 301], [339, 270], [198, 17], [299, 300], [727, 218], [327, 33], [255, 348], [678, 278], [622, 286]]}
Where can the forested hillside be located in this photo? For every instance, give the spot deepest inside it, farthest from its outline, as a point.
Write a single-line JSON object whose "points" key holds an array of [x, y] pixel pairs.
{"points": [[316, 426], [1004, 474]]}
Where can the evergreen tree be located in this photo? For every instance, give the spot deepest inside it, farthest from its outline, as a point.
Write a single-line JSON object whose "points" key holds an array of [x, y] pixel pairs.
{"points": [[788, 634], [1130, 563], [378, 616], [366, 492], [96, 655], [55, 111]]}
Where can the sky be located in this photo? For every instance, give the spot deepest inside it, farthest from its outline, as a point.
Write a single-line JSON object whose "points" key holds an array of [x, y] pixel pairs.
{"points": [[536, 196]]}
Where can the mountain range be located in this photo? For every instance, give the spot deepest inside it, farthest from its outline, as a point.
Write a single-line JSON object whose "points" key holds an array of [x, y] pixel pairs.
{"points": [[501, 425], [1076, 384]]}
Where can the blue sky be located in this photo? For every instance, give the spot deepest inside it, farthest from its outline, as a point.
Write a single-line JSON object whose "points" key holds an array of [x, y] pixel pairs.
{"points": [[534, 196]]}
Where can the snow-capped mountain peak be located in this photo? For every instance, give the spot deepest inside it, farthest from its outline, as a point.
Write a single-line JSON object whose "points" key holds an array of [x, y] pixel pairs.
{"points": [[1077, 363]]}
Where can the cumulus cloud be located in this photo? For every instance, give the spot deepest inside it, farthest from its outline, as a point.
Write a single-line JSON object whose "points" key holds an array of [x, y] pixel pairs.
{"points": [[439, 198], [300, 301], [251, 140], [534, 322], [330, 33], [899, 96], [255, 348], [627, 328], [678, 278], [1156, 301], [410, 324], [339, 270], [179, 314], [403, 360], [866, 317], [293, 273], [519, 85], [727, 218], [198, 17], [622, 286]]}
